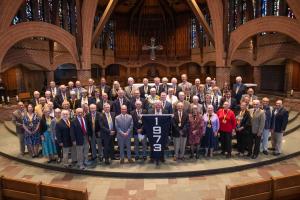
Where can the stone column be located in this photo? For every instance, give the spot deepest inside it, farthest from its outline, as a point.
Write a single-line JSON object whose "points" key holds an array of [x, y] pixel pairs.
{"points": [[257, 77], [83, 76], [222, 75], [50, 76], [103, 72]]}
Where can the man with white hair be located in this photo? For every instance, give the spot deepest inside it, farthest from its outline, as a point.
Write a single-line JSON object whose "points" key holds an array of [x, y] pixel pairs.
{"points": [[208, 87], [74, 104], [17, 119], [61, 97], [184, 82], [70, 87], [130, 88], [138, 134], [171, 97], [38, 109], [62, 130], [186, 104], [121, 100], [79, 137], [238, 89], [151, 98], [174, 85], [156, 85], [195, 90], [258, 124], [48, 96], [85, 99], [279, 122], [53, 89], [91, 88], [145, 88], [35, 101], [78, 89], [164, 86]]}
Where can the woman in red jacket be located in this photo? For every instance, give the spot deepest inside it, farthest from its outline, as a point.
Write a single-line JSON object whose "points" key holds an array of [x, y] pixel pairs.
{"points": [[227, 125]]}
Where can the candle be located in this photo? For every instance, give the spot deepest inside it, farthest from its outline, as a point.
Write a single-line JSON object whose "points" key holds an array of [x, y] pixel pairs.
{"points": [[2, 97], [7, 99], [17, 98]]}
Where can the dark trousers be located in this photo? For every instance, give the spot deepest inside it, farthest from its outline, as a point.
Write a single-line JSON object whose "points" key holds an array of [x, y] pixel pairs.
{"points": [[242, 138], [58, 150], [254, 144], [226, 142], [108, 150]]}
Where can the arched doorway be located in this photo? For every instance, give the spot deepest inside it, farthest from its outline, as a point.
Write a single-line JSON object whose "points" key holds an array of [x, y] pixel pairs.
{"points": [[65, 73]]}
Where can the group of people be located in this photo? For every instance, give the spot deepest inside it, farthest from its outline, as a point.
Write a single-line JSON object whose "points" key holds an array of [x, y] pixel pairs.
{"points": [[71, 122]]}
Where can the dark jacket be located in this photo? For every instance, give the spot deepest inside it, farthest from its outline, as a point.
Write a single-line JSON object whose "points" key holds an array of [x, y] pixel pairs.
{"points": [[133, 100], [89, 124], [117, 108], [137, 122], [43, 125], [104, 124], [101, 103], [238, 95], [246, 123], [58, 100], [184, 124], [168, 107], [63, 133], [268, 114], [280, 120], [142, 92], [76, 132]]}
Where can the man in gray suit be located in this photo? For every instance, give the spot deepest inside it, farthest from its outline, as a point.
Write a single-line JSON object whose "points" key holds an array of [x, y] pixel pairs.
{"points": [[258, 124], [17, 118], [130, 88], [124, 127]]}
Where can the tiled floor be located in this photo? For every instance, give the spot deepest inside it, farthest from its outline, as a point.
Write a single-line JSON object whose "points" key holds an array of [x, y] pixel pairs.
{"points": [[206, 187]]}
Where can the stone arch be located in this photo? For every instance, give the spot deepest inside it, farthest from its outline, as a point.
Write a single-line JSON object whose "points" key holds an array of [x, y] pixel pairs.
{"points": [[8, 11], [37, 29], [284, 25]]}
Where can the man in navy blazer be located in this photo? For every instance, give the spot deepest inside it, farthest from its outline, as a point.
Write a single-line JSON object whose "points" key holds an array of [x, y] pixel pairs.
{"points": [[62, 130], [79, 136], [238, 89], [121, 100], [108, 132], [165, 104], [279, 122]]}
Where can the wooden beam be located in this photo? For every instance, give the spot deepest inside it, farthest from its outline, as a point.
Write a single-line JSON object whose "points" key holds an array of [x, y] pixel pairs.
{"points": [[201, 19], [108, 10]]}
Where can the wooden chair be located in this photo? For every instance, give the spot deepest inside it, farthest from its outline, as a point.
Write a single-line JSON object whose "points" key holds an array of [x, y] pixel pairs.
{"points": [[259, 190], [52, 192], [287, 187], [12, 189]]}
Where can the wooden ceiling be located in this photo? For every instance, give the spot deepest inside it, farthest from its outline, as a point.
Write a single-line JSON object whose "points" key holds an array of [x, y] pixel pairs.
{"points": [[126, 6]]}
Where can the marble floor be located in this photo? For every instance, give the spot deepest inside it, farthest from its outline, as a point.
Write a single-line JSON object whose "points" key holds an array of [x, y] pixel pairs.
{"points": [[202, 188]]}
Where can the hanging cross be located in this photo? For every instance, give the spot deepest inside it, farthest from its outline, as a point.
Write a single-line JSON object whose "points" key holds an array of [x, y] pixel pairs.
{"points": [[152, 48]]}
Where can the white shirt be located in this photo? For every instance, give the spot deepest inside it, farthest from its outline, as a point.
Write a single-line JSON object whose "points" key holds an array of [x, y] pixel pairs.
{"points": [[172, 99]]}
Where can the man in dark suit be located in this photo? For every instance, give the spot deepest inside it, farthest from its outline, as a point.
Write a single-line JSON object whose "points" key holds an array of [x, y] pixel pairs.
{"points": [[145, 89], [176, 88], [79, 138], [156, 85], [74, 104], [137, 97], [138, 130], [121, 100], [61, 97], [91, 88], [279, 122], [165, 104], [53, 89], [238, 89], [62, 130], [84, 99], [164, 86], [104, 88], [93, 123], [180, 131], [35, 101], [232, 101], [108, 132], [104, 100]]}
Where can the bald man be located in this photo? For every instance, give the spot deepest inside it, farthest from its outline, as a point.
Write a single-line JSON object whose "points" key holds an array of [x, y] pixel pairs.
{"points": [[279, 122], [238, 89], [91, 88], [17, 119]]}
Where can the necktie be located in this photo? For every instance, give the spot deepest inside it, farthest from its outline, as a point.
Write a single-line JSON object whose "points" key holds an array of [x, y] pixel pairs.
{"points": [[130, 89], [93, 121], [164, 104], [180, 117], [109, 120], [68, 123], [82, 126], [121, 102]]}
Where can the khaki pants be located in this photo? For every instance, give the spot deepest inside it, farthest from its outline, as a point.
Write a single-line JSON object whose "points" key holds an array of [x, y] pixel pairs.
{"points": [[82, 152], [179, 144], [66, 151], [278, 141]]}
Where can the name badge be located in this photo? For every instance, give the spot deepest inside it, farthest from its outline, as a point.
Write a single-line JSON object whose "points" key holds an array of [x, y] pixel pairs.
{"points": [[224, 121], [179, 124], [209, 125], [140, 121]]}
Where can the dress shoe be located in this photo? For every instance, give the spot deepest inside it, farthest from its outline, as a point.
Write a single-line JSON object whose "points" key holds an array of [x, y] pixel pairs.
{"points": [[254, 156], [265, 152], [106, 162], [144, 158], [136, 158], [130, 160], [276, 154], [122, 161], [101, 159], [249, 154], [197, 156], [191, 156], [175, 159], [163, 160], [271, 149]]}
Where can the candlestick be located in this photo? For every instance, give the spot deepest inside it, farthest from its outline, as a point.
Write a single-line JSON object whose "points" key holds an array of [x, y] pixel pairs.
{"points": [[17, 98], [7, 99]]}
